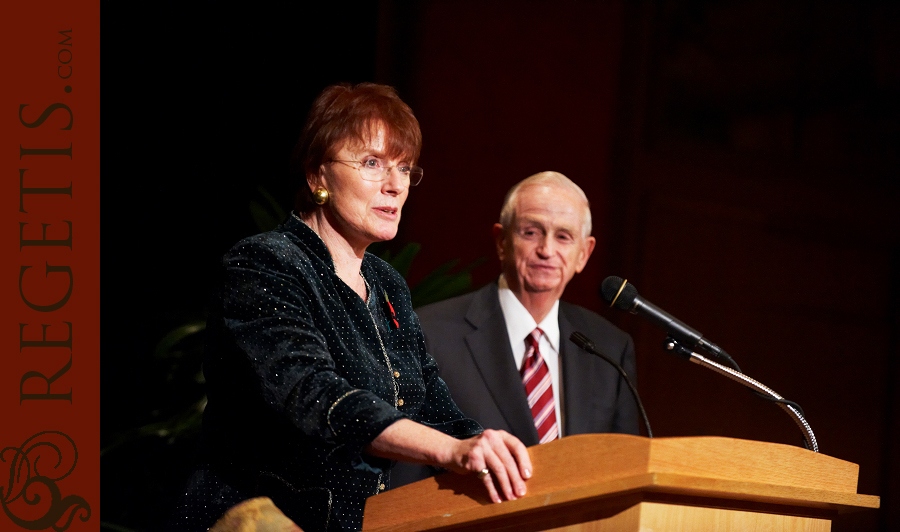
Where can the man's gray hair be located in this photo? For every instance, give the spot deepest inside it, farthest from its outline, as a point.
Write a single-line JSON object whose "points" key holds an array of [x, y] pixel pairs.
{"points": [[508, 212]]}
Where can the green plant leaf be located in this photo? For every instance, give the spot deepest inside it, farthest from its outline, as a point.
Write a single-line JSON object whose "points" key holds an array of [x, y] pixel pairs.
{"points": [[269, 214], [184, 423], [166, 346], [403, 261], [274, 205], [441, 284], [264, 219]]}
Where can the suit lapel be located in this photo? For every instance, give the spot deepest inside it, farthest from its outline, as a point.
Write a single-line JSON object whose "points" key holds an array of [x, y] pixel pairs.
{"points": [[579, 395], [489, 347]]}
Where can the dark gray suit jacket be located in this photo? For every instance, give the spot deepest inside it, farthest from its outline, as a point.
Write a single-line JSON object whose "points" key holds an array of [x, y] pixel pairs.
{"points": [[467, 336]]}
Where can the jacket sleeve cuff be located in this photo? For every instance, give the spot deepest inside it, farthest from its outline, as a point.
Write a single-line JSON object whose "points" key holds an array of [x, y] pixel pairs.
{"points": [[358, 417]]}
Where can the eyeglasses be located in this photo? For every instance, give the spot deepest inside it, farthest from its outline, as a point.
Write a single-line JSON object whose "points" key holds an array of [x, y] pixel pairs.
{"points": [[373, 169]]}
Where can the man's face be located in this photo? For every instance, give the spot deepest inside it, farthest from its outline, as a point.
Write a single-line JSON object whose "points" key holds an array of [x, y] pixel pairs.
{"points": [[546, 246]]}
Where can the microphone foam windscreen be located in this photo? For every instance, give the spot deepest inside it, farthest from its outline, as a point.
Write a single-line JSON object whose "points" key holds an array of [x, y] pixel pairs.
{"points": [[611, 288]]}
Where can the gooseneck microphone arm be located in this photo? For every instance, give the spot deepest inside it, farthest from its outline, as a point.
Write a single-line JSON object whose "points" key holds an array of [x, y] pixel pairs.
{"points": [[792, 409], [586, 344]]}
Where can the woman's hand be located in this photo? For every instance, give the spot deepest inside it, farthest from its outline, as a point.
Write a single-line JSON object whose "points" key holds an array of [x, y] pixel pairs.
{"points": [[498, 458], [504, 457]]}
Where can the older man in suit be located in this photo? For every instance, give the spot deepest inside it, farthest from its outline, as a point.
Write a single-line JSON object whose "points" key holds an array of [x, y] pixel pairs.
{"points": [[504, 350]]}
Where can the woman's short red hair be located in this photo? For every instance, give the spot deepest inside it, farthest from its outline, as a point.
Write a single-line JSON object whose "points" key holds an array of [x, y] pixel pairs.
{"points": [[353, 113]]}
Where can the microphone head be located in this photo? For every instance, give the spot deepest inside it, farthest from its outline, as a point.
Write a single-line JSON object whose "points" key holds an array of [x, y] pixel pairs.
{"points": [[581, 340], [618, 296]]}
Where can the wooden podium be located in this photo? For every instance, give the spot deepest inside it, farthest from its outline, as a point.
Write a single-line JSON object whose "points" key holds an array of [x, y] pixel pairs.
{"points": [[616, 482]]}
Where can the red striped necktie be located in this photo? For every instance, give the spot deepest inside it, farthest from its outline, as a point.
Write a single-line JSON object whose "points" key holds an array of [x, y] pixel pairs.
{"points": [[539, 389]]}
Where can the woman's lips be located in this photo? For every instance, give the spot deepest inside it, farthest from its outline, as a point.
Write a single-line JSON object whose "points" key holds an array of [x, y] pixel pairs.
{"points": [[387, 212]]}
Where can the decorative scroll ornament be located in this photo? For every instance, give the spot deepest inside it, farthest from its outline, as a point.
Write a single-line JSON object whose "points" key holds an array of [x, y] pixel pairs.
{"points": [[31, 498]]}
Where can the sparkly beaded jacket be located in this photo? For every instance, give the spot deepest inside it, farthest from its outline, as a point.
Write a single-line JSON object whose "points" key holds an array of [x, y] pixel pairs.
{"points": [[301, 375]]}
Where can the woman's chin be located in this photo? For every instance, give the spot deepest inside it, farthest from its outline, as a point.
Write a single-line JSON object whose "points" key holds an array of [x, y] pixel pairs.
{"points": [[388, 232], [387, 236]]}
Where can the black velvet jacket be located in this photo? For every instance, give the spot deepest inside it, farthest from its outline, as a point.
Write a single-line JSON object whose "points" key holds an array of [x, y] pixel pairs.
{"points": [[301, 375]]}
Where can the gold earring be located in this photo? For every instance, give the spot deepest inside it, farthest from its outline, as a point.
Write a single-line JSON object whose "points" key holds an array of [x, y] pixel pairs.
{"points": [[320, 196]]}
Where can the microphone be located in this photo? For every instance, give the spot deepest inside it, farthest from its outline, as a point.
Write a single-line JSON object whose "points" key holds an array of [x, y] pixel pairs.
{"points": [[621, 294], [585, 343]]}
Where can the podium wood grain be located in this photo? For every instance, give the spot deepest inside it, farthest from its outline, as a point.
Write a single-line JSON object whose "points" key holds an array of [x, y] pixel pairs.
{"points": [[601, 482]]}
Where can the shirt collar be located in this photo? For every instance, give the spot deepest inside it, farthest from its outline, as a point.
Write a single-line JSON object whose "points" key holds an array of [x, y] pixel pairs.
{"points": [[520, 323]]}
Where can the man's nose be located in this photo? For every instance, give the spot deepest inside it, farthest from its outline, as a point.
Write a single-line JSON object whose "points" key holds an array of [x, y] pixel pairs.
{"points": [[545, 246]]}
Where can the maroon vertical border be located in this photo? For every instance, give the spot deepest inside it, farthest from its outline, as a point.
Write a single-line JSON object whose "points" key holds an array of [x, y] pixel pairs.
{"points": [[50, 267]]}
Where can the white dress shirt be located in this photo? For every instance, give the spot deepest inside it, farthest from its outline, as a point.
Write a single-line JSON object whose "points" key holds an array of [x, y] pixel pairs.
{"points": [[519, 324]]}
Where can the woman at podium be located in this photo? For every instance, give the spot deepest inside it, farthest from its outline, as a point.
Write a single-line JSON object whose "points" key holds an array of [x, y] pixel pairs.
{"points": [[316, 368]]}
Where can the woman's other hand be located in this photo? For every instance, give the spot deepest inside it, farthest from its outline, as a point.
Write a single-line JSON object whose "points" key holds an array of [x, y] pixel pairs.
{"points": [[505, 458], [498, 458]]}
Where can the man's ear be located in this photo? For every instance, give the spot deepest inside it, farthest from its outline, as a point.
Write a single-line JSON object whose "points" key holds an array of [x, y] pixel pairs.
{"points": [[586, 251], [499, 239]]}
